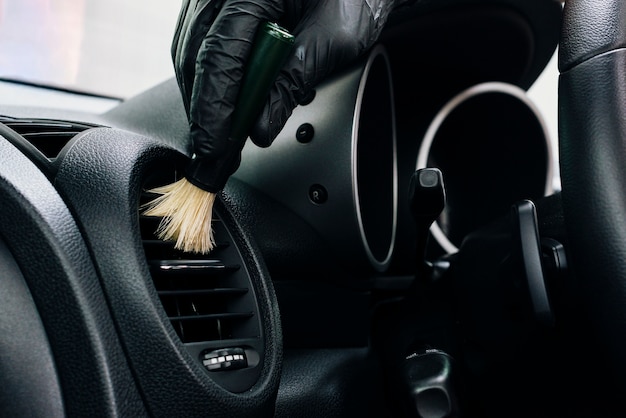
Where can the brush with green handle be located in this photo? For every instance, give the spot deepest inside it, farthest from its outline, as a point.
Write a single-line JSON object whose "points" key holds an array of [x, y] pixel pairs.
{"points": [[186, 206]]}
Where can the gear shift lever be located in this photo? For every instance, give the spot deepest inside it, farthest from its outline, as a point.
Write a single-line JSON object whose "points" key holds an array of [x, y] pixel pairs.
{"points": [[427, 198]]}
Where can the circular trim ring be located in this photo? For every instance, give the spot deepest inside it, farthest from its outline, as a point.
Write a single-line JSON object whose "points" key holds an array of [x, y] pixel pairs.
{"points": [[446, 110], [379, 265]]}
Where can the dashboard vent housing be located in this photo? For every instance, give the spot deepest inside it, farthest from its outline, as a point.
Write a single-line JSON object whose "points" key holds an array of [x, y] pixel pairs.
{"points": [[49, 136], [204, 297], [209, 300]]}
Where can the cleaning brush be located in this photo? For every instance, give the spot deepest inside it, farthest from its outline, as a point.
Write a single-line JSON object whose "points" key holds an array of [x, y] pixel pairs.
{"points": [[186, 207]]}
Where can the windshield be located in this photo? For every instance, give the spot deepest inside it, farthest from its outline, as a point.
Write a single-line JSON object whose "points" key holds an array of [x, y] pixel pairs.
{"points": [[117, 48], [114, 48]]}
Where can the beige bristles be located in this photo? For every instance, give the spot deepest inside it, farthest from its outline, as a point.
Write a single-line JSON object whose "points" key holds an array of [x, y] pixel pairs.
{"points": [[186, 212]]}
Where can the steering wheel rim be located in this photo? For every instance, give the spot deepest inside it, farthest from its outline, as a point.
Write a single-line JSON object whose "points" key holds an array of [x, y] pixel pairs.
{"points": [[592, 148]]}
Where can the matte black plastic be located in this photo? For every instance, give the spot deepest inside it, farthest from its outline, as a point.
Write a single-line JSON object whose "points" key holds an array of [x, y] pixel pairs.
{"points": [[528, 244], [338, 383], [352, 157], [114, 164], [29, 385], [45, 241]]}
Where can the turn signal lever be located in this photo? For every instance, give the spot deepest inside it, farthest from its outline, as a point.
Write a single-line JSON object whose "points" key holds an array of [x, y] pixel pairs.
{"points": [[428, 373], [427, 199]]}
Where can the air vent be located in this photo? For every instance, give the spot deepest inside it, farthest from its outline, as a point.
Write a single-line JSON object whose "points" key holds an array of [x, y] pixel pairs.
{"points": [[203, 297], [47, 135], [210, 302]]}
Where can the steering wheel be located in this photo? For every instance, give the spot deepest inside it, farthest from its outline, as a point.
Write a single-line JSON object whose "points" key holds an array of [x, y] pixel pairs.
{"points": [[592, 132]]}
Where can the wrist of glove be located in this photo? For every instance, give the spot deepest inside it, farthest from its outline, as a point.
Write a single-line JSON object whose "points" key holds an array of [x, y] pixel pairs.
{"points": [[211, 174]]}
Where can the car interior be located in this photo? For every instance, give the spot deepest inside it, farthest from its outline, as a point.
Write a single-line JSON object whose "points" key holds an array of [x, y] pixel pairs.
{"points": [[402, 249]]}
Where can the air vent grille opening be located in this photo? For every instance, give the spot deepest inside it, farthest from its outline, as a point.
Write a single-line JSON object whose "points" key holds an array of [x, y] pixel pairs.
{"points": [[207, 298], [47, 135]]}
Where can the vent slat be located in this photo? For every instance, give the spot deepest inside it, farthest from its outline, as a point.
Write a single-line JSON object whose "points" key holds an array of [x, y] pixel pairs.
{"points": [[49, 136], [221, 316], [191, 266], [157, 244], [203, 292], [42, 135], [43, 127], [207, 298]]}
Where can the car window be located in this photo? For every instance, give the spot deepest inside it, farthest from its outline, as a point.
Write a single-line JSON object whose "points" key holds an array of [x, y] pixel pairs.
{"points": [[115, 48], [119, 48]]}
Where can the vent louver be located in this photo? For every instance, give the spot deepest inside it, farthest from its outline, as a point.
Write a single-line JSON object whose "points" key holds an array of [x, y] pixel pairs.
{"points": [[47, 135], [210, 300], [206, 298]]}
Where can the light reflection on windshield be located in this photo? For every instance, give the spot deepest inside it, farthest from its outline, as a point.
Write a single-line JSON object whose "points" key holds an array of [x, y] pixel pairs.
{"points": [[117, 47], [112, 47]]}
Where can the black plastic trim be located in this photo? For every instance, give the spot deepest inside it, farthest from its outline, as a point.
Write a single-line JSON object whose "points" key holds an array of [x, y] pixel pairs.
{"points": [[48, 247], [115, 165]]}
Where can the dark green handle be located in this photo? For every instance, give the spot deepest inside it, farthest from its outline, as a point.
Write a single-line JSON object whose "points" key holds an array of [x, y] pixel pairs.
{"points": [[271, 47], [269, 51]]}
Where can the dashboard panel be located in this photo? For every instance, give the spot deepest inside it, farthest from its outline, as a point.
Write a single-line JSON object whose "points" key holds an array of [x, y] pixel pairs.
{"points": [[317, 246]]}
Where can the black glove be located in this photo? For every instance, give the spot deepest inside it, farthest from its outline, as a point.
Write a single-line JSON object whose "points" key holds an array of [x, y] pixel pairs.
{"points": [[212, 42]]}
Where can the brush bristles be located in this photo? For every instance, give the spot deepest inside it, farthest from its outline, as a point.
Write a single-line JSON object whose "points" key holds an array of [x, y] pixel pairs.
{"points": [[186, 212]]}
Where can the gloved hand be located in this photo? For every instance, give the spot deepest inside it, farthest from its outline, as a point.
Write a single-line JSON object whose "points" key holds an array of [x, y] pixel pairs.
{"points": [[212, 42]]}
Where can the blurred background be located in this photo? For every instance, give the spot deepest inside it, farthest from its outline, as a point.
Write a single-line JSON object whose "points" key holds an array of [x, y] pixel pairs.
{"points": [[112, 47], [118, 48]]}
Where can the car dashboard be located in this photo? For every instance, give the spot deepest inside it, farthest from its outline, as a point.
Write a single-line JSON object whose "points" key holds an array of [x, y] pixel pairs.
{"points": [[316, 299]]}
